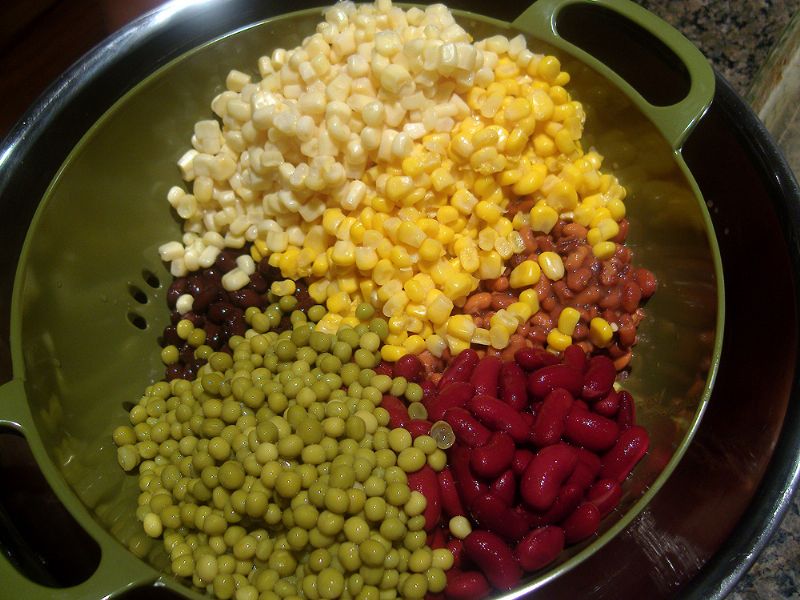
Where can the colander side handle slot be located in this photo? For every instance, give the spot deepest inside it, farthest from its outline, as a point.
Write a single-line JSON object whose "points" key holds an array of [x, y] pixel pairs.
{"points": [[117, 572], [675, 121]]}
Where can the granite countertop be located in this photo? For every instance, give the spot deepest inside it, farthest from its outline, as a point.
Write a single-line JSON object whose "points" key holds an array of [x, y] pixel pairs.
{"points": [[739, 39]]}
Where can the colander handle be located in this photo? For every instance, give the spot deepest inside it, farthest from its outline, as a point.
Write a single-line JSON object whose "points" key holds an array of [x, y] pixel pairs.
{"points": [[110, 578], [675, 121]]}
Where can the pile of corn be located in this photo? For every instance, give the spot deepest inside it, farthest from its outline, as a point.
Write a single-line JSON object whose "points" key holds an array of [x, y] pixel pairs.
{"points": [[379, 160]]}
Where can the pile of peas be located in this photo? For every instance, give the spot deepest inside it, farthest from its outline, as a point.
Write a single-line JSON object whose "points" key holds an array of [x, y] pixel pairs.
{"points": [[273, 473]]}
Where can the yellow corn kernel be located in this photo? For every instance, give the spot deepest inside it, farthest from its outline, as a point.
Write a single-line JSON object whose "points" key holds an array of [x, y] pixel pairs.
{"points": [[504, 248], [441, 179], [415, 290], [413, 165], [558, 341], [397, 323], [608, 228], [531, 298], [456, 345], [430, 250], [439, 307], [503, 227], [600, 332], [461, 327], [487, 161], [503, 318], [384, 247], [417, 311], [320, 266], [384, 271], [567, 320], [394, 304], [339, 303], [398, 187], [357, 230], [331, 219], [509, 177], [593, 236], [486, 238], [543, 218], [583, 213], [548, 69], [517, 242], [365, 258], [396, 339], [531, 180], [410, 234], [381, 204], [367, 288], [475, 97], [488, 211], [521, 310], [604, 250], [564, 142], [552, 265], [446, 213], [429, 226], [469, 259], [517, 109], [329, 323], [463, 201], [516, 142], [400, 257], [391, 353], [436, 345], [318, 291], [528, 124], [344, 254], [255, 254], [491, 265], [459, 285], [415, 344], [542, 104], [562, 78], [485, 137], [562, 196], [616, 209], [347, 284], [544, 145], [498, 337], [525, 274]]}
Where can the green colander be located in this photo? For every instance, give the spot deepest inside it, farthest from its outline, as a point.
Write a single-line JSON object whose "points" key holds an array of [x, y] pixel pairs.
{"points": [[89, 296]]}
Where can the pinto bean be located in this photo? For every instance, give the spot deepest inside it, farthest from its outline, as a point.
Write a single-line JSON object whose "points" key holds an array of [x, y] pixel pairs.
{"points": [[477, 302]]}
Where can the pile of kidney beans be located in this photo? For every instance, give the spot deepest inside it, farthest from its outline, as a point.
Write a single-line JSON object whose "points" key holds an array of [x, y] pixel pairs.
{"points": [[542, 446], [219, 312]]}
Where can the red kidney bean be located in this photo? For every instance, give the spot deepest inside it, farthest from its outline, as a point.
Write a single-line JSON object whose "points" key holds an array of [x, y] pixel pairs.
{"points": [[454, 395], [494, 558], [590, 430], [586, 469], [574, 356], [469, 487], [468, 430], [605, 494], [545, 473], [548, 426], [428, 391], [408, 366], [608, 406], [418, 427], [528, 419], [546, 379], [631, 446], [539, 548], [448, 494], [486, 374], [631, 296], [599, 378], [456, 547], [499, 416], [494, 457], [522, 457], [384, 368], [466, 585], [494, 515], [582, 523], [531, 359], [426, 483], [438, 538], [626, 416], [398, 413], [569, 496], [505, 487], [513, 387], [460, 368]]}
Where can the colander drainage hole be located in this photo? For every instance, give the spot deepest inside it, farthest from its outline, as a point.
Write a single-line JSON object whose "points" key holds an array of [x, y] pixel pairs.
{"points": [[137, 320], [151, 279], [137, 294]]}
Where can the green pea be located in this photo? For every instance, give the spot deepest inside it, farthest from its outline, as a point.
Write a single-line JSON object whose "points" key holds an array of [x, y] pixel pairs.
{"points": [[310, 431], [330, 364], [381, 327], [290, 446], [320, 341], [382, 382], [316, 312], [415, 540], [348, 336], [330, 523], [349, 373], [297, 317], [287, 303], [330, 583], [398, 387], [332, 380], [318, 559], [393, 529], [397, 494], [374, 486], [370, 342], [364, 311], [287, 484], [306, 354], [277, 402], [342, 477], [348, 555], [364, 358], [372, 553]]}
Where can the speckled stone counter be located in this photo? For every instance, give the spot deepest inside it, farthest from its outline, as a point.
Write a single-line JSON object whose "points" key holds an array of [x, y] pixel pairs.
{"points": [[737, 36]]}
